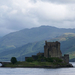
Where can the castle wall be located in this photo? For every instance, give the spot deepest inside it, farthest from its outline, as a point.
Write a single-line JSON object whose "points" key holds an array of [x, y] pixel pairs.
{"points": [[54, 52], [46, 53], [40, 54], [52, 49], [35, 57], [66, 58]]}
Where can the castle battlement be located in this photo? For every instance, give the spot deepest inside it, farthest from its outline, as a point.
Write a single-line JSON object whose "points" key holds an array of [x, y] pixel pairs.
{"points": [[52, 49]]}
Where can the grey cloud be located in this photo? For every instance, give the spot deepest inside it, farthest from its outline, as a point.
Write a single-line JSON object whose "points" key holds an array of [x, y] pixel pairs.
{"points": [[34, 1], [60, 1], [5, 2], [35, 13]]}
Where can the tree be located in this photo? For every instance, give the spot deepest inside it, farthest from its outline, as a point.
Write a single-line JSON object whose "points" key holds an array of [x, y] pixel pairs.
{"points": [[30, 59], [13, 60]]}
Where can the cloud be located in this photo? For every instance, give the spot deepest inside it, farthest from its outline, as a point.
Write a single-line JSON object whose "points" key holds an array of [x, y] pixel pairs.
{"points": [[60, 1], [19, 14]]}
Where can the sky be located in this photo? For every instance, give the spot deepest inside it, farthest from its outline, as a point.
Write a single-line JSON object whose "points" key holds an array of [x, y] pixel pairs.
{"points": [[19, 14]]}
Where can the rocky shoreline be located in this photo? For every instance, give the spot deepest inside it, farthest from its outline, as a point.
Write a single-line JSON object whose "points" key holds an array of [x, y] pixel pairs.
{"points": [[52, 66]]}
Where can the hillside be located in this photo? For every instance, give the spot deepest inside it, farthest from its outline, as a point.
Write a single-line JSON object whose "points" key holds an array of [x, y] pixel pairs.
{"points": [[67, 46], [25, 36]]}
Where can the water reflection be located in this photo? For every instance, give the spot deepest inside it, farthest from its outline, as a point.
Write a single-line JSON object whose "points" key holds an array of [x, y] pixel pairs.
{"points": [[73, 63]]}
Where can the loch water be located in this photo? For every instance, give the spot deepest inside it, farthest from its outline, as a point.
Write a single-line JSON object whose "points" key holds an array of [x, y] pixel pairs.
{"points": [[38, 71]]}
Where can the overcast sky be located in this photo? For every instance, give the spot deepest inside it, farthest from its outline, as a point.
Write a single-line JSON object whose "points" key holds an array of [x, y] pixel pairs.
{"points": [[19, 14]]}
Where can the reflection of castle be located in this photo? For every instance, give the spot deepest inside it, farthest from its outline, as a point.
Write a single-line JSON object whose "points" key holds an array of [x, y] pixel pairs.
{"points": [[52, 49]]}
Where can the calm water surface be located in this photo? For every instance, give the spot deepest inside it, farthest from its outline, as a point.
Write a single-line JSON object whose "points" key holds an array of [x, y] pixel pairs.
{"points": [[37, 71]]}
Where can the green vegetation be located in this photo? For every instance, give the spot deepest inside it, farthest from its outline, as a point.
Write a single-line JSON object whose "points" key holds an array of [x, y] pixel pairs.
{"points": [[30, 59], [54, 59], [43, 59], [35, 64], [48, 62], [13, 60], [26, 64], [38, 62]]}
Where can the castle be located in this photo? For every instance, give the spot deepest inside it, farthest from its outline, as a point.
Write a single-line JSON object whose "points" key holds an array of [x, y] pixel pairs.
{"points": [[52, 49]]}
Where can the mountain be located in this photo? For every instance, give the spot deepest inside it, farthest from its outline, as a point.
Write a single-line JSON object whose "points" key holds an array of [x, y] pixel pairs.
{"points": [[67, 41], [25, 36]]}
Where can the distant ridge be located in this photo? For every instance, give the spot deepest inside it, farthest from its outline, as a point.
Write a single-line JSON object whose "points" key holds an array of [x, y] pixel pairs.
{"points": [[22, 37]]}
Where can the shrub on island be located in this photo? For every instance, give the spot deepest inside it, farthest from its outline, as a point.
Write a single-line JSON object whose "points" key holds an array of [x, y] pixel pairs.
{"points": [[13, 60], [30, 59]]}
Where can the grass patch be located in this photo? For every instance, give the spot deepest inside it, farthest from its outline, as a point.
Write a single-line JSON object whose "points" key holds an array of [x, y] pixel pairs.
{"points": [[33, 64]]}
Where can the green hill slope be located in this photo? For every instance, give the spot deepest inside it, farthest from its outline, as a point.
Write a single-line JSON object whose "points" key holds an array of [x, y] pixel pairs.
{"points": [[19, 38], [67, 46]]}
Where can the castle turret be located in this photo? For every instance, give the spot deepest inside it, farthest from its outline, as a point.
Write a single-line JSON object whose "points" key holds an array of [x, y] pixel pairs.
{"points": [[66, 58]]}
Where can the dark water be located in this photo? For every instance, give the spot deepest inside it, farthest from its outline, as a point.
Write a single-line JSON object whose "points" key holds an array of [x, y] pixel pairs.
{"points": [[37, 71]]}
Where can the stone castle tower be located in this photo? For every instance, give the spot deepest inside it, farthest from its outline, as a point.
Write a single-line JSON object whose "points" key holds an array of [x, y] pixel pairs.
{"points": [[52, 49]]}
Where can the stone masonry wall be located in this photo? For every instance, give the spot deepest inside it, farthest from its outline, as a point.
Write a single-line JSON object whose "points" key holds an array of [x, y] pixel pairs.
{"points": [[52, 49]]}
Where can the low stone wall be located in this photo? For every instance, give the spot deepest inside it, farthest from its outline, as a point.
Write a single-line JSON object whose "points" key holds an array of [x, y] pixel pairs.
{"points": [[65, 58]]}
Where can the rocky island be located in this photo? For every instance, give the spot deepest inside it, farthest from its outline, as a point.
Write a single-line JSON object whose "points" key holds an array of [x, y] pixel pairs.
{"points": [[51, 58]]}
